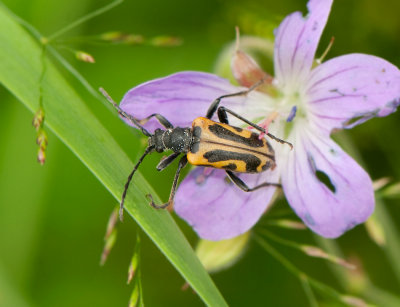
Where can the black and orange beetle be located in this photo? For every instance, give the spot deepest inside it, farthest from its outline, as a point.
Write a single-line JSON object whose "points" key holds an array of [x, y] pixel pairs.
{"points": [[207, 143]]}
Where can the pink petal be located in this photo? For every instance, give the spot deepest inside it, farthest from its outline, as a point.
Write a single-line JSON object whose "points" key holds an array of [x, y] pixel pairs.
{"points": [[180, 97], [216, 208], [296, 42], [328, 209], [351, 89]]}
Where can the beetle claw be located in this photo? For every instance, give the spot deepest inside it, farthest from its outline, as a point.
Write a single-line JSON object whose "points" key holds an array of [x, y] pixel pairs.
{"points": [[121, 212]]}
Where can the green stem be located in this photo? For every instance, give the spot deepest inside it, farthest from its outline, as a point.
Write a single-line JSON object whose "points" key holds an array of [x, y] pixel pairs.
{"points": [[84, 19], [309, 293], [392, 248], [280, 240], [42, 59], [322, 288]]}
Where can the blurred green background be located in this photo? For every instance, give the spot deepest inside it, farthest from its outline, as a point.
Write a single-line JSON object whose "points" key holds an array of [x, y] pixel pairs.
{"points": [[53, 218]]}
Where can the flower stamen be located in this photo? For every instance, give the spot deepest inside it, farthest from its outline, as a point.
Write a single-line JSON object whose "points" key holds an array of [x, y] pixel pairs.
{"points": [[292, 114], [200, 179], [265, 124], [319, 60]]}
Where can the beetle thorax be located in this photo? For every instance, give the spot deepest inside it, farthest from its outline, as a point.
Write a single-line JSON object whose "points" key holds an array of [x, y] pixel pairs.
{"points": [[176, 139]]}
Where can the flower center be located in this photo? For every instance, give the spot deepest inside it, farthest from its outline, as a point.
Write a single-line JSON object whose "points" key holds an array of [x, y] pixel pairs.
{"points": [[288, 107]]}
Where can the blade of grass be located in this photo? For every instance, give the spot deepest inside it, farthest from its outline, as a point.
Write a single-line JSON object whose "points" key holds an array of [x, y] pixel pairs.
{"points": [[70, 119], [10, 295]]}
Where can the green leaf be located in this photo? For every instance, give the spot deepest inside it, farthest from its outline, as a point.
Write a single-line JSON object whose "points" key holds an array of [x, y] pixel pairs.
{"points": [[72, 121]]}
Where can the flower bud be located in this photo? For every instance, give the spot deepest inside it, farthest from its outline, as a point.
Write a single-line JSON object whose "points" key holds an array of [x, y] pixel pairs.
{"points": [[289, 224], [353, 301], [314, 251], [375, 230], [218, 255], [44, 40], [120, 37], [392, 191], [245, 69], [41, 139], [356, 280], [166, 41], [84, 57], [38, 119], [247, 73], [132, 39], [112, 222], [111, 235], [109, 244], [380, 183], [134, 264], [112, 36], [41, 157], [133, 267], [135, 297]]}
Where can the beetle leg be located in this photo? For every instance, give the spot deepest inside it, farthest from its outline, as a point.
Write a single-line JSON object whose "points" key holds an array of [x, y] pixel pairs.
{"points": [[167, 161], [182, 163], [162, 120], [121, 206], [223, 117], [239, 182], [214, 105]]}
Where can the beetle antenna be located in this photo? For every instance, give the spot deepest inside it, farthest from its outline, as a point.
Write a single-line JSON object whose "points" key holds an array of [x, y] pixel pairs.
{"points": [[121, 206], [279, 140], [133, 120]]}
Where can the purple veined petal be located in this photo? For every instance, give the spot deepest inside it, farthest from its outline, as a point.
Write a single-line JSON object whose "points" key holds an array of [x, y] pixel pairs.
{"points": [[296, 42], [216, 208], [328, 207], [182, 97], [348, 90]]}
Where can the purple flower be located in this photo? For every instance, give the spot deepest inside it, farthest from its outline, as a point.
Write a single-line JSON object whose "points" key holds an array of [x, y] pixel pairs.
{"points": [[310, 103]]}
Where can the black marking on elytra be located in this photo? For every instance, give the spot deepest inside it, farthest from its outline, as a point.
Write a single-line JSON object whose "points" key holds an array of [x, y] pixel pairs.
{"points": [[195, 147], [223, 133], [252, 162], [237, 129], [230, 166], [269, 156], [197, 131], [266, 166]]}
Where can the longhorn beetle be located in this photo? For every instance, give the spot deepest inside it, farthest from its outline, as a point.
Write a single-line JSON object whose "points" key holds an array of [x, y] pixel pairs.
{"points": [[206, 143]]}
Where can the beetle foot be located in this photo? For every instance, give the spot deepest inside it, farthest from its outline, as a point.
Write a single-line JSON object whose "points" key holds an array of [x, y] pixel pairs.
{"points": [[154, 205]]}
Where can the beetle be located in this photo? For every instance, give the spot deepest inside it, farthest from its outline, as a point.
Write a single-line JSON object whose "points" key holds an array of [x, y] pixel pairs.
{"points": [[206, 143]]}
